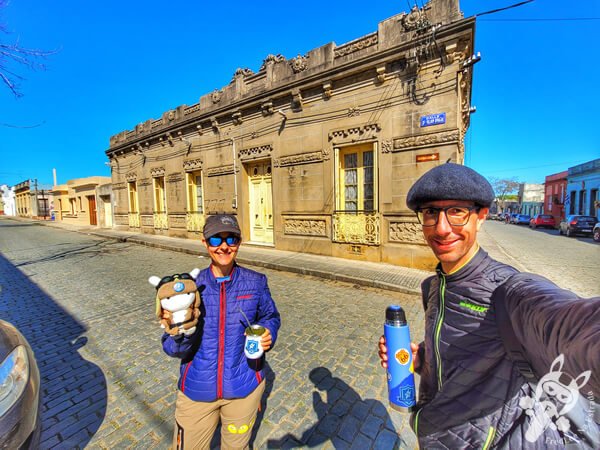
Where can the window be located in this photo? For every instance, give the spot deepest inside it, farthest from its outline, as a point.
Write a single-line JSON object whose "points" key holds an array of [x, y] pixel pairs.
{"points": [[160, 201], [133, 199], [194, 192], [73, 205], [356, 179]]}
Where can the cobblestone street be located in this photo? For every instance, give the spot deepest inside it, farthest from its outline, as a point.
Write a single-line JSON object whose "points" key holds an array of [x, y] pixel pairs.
{"points": [[85, 305]]}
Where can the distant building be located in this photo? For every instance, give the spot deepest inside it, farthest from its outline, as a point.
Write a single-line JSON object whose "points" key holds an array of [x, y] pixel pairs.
{"points": [[77, 201], [9, 207], [583, 183], [531, 198], [315, 153], [556, 189]]}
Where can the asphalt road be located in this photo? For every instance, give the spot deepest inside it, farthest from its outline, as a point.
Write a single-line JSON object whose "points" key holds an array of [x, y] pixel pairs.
{"points": [[572, 263], [85, 305]]}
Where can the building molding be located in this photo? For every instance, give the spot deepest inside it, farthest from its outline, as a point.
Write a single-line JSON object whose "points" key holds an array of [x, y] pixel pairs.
{"points": [[423, 141], [220, 170], [258, 152], [354, 134], [301, 158], [305, 226]]}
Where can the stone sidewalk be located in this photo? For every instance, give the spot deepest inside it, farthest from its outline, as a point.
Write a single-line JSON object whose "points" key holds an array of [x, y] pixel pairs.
{"points": [[377, 275]]}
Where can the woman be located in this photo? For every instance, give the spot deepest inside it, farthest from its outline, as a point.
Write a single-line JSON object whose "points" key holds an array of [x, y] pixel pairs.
{"points": [[217, 381]]}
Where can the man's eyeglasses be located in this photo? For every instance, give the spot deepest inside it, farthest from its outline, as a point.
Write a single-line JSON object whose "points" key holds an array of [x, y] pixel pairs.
{"points": [[231, 240], [457, 216]]}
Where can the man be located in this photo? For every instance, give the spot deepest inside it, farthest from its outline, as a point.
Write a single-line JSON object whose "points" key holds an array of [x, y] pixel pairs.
{"points": [[217, 383], [472, 394]]}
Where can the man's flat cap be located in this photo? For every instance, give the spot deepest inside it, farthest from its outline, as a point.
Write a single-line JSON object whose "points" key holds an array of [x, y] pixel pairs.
{"points": [[221, 223], [450, 182]]}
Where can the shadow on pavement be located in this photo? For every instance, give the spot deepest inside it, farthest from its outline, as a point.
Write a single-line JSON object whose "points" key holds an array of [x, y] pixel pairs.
{"points": [[73, 390], [341, 417]]}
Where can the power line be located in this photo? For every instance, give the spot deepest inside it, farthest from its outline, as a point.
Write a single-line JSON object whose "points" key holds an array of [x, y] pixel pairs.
{"points": [[493, 11]]}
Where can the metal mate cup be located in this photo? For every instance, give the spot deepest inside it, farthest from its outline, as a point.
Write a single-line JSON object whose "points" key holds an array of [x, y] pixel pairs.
{"points": [[252, 347]]}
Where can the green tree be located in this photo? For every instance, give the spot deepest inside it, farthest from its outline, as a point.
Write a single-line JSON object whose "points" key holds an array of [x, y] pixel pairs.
{"points": [[504, 188]]}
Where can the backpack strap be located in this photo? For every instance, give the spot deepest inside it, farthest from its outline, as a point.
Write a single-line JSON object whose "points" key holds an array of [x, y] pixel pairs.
{"points": [[514, 349]]}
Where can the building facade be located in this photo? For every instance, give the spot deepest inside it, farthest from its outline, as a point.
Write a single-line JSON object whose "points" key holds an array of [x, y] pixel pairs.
{"points": [[554, 197], [76, 202], [583, 183], [315, 153], [531, 198], [9, 205]]}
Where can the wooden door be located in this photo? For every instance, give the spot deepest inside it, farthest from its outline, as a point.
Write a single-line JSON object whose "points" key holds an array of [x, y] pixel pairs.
{"points": [[92, 210], [261, 202]]}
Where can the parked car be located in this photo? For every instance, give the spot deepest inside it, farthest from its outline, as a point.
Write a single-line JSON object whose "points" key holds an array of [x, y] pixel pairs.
{"points": [[513, 218], [576, 224], [20, 422], [521, 219], [597, 232], [542, 220]]}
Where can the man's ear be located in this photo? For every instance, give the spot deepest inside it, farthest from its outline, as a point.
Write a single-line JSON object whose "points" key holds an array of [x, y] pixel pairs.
{"points": [[483, 212]]}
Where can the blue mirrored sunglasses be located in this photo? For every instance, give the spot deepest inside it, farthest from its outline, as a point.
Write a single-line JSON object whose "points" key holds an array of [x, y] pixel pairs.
{"points": [[231, 240]]}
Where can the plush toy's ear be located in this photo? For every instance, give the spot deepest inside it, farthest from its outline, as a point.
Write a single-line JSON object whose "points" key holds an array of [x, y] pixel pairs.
{"points": [[154, 280], [158, 308], [194, 273]]}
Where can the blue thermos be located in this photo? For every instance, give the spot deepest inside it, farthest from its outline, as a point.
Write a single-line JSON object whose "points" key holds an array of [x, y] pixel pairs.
{"points": [[400, 372]]}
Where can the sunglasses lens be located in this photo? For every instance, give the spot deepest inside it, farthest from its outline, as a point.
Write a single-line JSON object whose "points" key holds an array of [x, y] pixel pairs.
{"points": [[215, 241], [232, 240]]}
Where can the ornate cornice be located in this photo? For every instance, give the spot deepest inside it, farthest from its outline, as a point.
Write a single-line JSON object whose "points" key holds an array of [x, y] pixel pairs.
{"points": [[192, 164], [262, 151], [218, 171], [354, 46], [299, 63], [301, 158], [131, 176], [157, 171], [271, 59], [216, 96], [118, 186], [354, 134], [426, 140]]}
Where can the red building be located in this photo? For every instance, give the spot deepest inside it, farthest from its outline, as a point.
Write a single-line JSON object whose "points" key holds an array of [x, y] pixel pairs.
{"points": [[554, 196]]}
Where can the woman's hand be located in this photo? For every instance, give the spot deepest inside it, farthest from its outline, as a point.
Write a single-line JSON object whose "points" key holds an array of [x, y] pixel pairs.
{"points": [[266, 340]]}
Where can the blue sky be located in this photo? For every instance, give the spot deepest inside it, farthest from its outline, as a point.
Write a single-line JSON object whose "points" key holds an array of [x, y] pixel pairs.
{"points": [[120, 63]]}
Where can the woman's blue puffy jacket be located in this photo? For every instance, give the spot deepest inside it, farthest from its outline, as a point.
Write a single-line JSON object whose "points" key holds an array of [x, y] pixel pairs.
{"points": [[213, 364]]}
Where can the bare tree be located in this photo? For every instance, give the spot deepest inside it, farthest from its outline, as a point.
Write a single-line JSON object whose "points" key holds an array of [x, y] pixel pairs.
{"points": [[13, 55], [504, 188]]}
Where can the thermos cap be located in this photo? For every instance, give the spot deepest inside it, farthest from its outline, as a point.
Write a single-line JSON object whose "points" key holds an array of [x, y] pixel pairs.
{"points": [[395, 313]]}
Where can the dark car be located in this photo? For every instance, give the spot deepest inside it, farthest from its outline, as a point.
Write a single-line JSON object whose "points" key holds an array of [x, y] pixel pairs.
{"points": [[575, 224], [20, 422], [522, 219], [542, 220], [597, 232]]}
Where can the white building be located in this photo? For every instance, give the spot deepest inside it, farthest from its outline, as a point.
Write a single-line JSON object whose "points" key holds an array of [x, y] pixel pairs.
{"points": [[8, 199]]}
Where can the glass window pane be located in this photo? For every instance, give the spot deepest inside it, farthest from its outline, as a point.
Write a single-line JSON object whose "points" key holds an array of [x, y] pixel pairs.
{"points": [[351, 176], [350, 160], [351, 193]]}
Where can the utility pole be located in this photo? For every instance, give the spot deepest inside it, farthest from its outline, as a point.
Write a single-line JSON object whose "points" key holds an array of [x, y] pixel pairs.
{"points": [[37, 203]]}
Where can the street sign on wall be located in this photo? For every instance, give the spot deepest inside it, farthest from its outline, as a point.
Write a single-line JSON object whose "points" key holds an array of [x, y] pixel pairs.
{"points": [[433, 119]]}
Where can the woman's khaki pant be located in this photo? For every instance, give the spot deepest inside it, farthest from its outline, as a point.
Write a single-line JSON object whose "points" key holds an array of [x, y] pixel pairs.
{"points": [[195, 422]]}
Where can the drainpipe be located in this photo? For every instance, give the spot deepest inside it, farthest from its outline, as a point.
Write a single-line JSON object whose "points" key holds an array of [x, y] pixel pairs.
{"points": [[235, 191]]}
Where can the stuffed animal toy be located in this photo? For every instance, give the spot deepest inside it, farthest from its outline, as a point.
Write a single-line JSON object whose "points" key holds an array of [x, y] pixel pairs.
{"points": [[179, 295]]}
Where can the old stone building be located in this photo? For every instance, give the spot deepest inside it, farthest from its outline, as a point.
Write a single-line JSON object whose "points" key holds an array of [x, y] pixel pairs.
{"points": [[315, 153]]}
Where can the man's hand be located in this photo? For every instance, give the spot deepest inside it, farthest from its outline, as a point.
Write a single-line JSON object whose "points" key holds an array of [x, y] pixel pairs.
{"points": [[266, 340], [383, 356]]}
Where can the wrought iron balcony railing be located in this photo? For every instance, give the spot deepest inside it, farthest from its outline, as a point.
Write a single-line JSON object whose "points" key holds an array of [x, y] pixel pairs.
{"points": [[134, 219], [194, 221], [356, 227], [161, 221]]}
